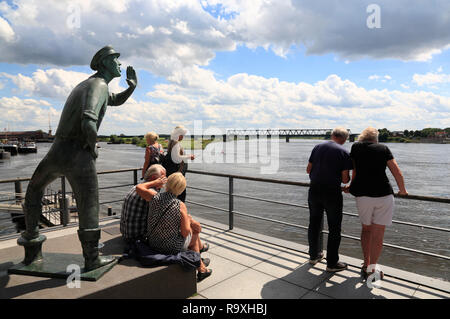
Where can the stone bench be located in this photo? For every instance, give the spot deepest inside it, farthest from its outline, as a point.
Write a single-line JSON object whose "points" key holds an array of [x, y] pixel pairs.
{"points": [[128, 279]]}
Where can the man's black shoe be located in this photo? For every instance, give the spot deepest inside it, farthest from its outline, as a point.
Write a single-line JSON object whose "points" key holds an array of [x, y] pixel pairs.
{"points": [[338, 267]]}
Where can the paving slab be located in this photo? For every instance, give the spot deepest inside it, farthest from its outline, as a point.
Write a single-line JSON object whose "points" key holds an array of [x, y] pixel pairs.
{"points": [[348, 284], [223, 269], [241, 254], [315, 295], [428, 293], [252, 284], [294, 268]]}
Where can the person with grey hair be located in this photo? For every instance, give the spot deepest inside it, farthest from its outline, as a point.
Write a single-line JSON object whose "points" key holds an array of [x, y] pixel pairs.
{"points": [[133, 220], [328, 167], [374, 193], [175, 159]]}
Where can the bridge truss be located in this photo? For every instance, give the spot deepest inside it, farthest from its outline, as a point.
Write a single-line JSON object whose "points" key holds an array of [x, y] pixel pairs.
{"points": [[282, 132]]}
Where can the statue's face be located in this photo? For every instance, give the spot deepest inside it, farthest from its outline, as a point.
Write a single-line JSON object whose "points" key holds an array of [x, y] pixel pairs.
{"points": [[112, 64]]}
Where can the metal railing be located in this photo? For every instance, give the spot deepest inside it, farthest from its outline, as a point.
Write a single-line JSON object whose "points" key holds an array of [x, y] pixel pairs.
{"points": [[60, 206], [232, 195]]}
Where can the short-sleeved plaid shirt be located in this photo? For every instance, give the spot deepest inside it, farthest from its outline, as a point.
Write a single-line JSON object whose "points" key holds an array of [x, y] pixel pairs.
{"points": [[133, 221]]}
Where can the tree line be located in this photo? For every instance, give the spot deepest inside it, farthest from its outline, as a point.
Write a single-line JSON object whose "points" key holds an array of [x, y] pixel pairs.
{"points": [[410, 135]]}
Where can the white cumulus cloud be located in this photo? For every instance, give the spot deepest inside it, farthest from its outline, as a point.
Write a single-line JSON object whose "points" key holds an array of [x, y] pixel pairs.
{"points": [[431, 78]]}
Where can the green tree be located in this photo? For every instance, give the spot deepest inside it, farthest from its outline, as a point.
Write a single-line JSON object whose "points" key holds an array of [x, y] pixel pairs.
{"points": [[430, 131], [134, 140], [383, 135], [113, 138]]}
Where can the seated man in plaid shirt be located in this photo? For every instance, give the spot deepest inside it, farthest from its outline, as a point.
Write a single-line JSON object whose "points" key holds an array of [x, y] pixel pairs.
{"points": [[133, 221]]}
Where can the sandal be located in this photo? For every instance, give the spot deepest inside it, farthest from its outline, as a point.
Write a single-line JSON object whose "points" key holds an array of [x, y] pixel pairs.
{"points": [[203, 275], [364, 272], [204, 248], [206, 261]]}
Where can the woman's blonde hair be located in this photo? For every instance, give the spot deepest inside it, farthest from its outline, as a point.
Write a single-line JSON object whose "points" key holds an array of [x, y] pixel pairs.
{"points": [[176, 183], [369, 134], [151, 137]]}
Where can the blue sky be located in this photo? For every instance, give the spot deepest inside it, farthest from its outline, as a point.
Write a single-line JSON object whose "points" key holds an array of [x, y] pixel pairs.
{"points": [[258, 64]]}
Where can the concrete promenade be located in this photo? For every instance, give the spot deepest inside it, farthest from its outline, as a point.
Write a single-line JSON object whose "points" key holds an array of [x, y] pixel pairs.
{"points": [[249, 265], [245, 266]]}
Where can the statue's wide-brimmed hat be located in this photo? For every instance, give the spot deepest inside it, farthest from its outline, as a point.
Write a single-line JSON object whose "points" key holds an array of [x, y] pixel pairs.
{"points": [[101, 54]]}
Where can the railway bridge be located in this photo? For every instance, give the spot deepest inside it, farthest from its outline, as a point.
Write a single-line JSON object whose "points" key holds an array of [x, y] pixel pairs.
{"points": [[287, 133]]}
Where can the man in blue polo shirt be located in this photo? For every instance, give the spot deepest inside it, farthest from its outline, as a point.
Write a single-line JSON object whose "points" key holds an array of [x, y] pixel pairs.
{"points": [[328, 167]]}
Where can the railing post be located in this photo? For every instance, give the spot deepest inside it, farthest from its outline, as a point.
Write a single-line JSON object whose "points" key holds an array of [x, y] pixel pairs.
{"points": [[64, 203], [135, 176], [230, 203], [18, 191]]}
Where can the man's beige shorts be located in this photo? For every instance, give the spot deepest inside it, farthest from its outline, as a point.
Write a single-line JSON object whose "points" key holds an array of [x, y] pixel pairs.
{"points": [[375, 210]]}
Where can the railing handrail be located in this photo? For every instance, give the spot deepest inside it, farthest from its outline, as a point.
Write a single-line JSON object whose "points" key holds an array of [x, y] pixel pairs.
{"points": [[250, 178], [232, 211], [304, 184], [305, 206], [25, 179]]}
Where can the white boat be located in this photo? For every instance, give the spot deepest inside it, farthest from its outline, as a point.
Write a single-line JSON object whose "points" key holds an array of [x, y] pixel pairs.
{"points": [[27, 147]]}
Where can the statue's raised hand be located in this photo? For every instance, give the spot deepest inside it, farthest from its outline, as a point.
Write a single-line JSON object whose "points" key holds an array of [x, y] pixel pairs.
{"points": [[131, 77]]}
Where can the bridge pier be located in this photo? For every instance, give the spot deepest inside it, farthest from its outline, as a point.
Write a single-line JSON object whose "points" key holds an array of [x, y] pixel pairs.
{"points": [[287, 138], [224, 138], [352, 137]]}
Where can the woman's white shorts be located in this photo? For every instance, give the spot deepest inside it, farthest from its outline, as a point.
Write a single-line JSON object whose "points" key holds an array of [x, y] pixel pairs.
{"points": [[187, 241], [375, 210]]}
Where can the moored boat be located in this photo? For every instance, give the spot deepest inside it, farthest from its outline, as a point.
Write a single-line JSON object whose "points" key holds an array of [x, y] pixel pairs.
{"points": [[10, 147], [4, 154], [27, 147]]}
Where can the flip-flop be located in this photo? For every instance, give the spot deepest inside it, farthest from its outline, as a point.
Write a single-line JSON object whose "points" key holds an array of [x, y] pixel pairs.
{"points": [[204, 248], [366, 274], [203, 275], [206, 261]]}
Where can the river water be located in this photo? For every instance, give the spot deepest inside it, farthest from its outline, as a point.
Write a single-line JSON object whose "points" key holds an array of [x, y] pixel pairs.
{"points": [[425, 168]]}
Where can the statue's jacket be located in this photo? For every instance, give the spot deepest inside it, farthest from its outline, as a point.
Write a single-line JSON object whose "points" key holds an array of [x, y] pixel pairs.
{"points": [[87, 101]]}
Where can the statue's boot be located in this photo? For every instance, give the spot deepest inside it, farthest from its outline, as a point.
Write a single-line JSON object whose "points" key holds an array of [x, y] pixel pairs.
{"points": [[89, 242], [33, 247], [30, 239]]}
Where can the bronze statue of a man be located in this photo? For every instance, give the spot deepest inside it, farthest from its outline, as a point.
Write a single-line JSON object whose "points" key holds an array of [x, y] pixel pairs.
{"points": [[73, 155]]}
